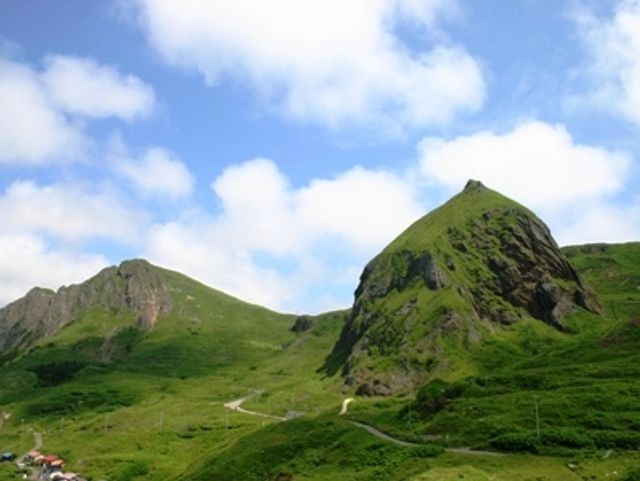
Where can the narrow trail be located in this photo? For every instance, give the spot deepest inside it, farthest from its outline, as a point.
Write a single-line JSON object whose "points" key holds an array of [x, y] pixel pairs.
{"points": [[380, 435], [236, 406], [38, 442], [386, 437]]}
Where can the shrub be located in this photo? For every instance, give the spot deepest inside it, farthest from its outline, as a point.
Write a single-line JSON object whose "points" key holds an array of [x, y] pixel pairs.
{"points": [[565, 437], [616, 439], [53, 373], [516, 442], [632, 475]]}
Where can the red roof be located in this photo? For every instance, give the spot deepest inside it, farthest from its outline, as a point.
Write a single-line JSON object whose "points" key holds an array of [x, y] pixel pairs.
{"points": [[50, 458]]}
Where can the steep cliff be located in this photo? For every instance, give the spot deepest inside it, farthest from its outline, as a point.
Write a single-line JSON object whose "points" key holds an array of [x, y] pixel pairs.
{"points": [[134, 285]]}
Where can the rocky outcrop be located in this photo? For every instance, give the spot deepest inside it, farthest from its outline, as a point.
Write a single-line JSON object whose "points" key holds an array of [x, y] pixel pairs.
{"points": [[477, 263], [528, 269], [134, 285], [303, 324]]}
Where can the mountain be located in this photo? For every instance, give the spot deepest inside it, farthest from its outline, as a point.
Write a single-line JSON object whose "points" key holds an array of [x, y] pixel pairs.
{"points": [[135, 285], [467, 269], [470, 332]]}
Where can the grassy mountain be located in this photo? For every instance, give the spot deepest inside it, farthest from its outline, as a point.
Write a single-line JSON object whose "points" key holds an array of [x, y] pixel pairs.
{"points": [[582, 384], [455, 277], [116, 395], [127, 374]]}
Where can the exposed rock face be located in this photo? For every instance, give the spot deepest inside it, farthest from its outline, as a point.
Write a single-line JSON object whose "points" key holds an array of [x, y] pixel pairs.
{"points": [[479, 262], [135, 285], [302, 324], [529, 270]]}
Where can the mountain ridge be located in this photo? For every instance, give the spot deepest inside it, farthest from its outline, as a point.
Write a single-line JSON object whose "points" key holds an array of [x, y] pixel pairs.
{"points": [[134, 285]]}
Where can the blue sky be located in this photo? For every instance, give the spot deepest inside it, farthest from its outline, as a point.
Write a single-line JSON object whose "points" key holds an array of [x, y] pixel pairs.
{"points": [[271, 148]]}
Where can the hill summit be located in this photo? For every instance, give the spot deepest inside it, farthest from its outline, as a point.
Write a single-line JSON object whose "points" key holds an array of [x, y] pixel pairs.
{"points": [[135, 285], [476, 264]]}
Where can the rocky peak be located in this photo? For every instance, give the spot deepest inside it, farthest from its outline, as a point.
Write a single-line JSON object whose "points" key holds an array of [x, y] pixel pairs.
{"points": [[474, 186], [134, 285], [479, 262]]}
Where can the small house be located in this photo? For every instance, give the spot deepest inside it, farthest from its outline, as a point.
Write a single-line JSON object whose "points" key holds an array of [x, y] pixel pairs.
{"points": [[30, 458], [51, 465]]}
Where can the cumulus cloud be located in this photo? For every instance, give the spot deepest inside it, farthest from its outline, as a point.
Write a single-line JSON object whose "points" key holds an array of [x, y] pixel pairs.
{"points": [[68, 212], [536, 163], [598, 222], [156, 173], [272, 242], [82, 86], [27, 261], [573, 187], [42, 112], [46, 231], [334, 63], [31, 130], [613, 48]]}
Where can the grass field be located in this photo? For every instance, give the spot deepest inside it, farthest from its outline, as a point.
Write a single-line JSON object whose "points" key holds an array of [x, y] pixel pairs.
{"points": [[122, 406]]}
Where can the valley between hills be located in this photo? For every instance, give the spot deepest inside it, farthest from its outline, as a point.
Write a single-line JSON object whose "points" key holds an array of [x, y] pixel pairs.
{"points": [[475, 349]]}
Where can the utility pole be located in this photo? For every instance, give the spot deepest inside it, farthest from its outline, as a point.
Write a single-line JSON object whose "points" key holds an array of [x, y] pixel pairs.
{"points": [[535, 399]]}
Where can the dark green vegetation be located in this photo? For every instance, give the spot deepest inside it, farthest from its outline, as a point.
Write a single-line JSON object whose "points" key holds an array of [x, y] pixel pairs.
{"points": [[471, 321]]}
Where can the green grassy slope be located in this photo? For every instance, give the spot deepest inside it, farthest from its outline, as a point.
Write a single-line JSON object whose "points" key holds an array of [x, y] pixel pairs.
{"points": [[150, 407], [118, 403], [586, 385], [456, 277]]}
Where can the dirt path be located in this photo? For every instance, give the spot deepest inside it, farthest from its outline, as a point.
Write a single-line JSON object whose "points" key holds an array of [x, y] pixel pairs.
{"points": [[4, 417], [386, 437], [345, 406], [37, 439], [236, 406], [380, 435]]}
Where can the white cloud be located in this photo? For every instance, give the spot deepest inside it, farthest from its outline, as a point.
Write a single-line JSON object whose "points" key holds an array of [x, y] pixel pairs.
{"points": [[575, 188], [68, 212], [156, 173], [26, 261], [273, 242], [613, 46], [333, 62], [197, 250], [598, 222], [31, 130], [368, 208], [82, 86], [537, 163], [43, 113]]}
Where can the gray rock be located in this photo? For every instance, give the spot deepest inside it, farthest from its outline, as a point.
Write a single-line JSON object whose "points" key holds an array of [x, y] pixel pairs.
{"points": [[135, 285], [302, 324]]}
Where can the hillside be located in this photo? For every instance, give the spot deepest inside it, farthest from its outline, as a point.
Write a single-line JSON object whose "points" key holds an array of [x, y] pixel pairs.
{"points": [[455, 277], [472, 322], [117, 394], [584, 385]]}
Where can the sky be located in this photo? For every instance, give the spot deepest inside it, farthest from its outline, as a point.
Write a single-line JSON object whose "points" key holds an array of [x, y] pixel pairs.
{"points": [[271, 148]]}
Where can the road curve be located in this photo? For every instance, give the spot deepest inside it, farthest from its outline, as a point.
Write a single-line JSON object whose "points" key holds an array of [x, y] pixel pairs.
{"points": [[386, 437], [236, 405]]}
